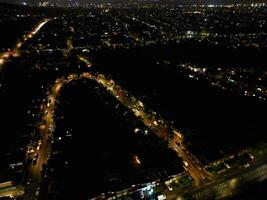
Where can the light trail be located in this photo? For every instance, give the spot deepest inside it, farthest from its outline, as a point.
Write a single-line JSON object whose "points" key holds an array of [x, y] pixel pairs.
{"points": [[15, 51]]}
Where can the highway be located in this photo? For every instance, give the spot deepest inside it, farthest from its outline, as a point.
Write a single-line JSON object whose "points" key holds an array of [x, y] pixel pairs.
{"points": [[224, 185], [34, 170], [45, 129], [15, 51]]}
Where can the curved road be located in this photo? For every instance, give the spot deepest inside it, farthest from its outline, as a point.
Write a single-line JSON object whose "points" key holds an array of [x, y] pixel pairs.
{"points": [[158, 125]]}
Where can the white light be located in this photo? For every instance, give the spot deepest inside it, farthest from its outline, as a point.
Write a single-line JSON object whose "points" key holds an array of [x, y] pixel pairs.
{"points": [[146, 132], [161, 197], [150, 192], [211, 6], [136, 130]]}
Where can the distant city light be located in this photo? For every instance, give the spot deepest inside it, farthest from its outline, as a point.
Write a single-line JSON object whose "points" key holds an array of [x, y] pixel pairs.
{"points": [[71, 45], [146, 132], [161, 197], [137, 160], [136, 130], [211, 6]]}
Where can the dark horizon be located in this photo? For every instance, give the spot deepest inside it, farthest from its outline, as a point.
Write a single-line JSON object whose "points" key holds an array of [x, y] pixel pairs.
{"points": [[83, 2]]}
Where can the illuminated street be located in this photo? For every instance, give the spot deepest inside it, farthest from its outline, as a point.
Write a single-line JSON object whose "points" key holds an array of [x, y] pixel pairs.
{"points": [[191, 164], [158, 126], [208, 186], [136, 100], [16, 50]]}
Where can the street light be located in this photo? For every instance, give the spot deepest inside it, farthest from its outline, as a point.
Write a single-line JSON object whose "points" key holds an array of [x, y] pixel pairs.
{"points": [[1, 61]]}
